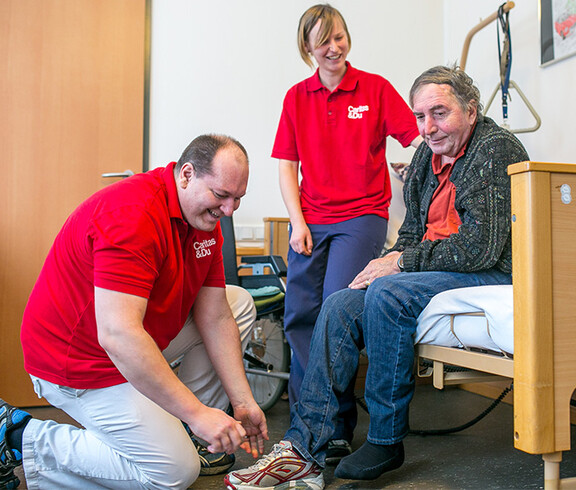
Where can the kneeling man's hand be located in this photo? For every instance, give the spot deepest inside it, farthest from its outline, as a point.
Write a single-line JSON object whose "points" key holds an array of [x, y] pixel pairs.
{"points": [[222, 432], [254, 423]]}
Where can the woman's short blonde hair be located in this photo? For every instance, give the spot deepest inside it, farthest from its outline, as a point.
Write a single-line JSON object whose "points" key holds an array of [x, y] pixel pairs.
{"points": [[328, 15]]}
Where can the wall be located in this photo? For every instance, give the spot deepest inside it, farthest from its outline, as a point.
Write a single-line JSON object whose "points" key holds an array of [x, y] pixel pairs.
{"points": [[550, 89], [225, 66]]}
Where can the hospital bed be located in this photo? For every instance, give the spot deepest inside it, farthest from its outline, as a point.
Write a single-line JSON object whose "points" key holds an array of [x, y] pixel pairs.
{"points": [[526, 331]]}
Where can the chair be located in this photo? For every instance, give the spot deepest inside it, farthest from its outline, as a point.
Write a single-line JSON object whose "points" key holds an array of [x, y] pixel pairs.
{"points": [[267, 357]]}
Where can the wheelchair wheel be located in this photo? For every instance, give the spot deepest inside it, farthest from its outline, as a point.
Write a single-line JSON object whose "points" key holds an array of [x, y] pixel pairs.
{"points": [[267, 361]]}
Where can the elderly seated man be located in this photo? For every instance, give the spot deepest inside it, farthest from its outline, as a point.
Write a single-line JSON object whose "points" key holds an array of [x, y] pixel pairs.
{"points": [[456, 233]]}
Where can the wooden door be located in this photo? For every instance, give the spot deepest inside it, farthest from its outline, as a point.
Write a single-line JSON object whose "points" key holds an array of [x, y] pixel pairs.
{"points": [[72, 108]]}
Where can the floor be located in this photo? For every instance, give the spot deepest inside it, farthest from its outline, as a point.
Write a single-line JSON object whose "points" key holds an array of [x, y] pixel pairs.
{"points": [[480, 457]]}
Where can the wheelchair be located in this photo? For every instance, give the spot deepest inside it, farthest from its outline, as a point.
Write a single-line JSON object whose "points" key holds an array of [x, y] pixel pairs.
{"points": [[267, 356]]}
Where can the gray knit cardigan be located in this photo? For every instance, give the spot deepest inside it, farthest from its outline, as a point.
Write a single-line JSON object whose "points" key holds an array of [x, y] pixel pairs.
{"points": [[482, 200]]}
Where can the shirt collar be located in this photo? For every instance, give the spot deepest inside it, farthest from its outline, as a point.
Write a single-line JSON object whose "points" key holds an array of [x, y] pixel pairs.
{"points": [[170, 183], [437, 166], [347, 84]]}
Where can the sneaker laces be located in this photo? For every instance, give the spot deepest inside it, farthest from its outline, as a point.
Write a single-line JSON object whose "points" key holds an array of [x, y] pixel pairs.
{"points": [[277, 450]]}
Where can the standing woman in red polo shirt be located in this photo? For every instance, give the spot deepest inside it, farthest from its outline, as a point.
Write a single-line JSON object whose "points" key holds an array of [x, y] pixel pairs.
{"points": [[333, 129]]}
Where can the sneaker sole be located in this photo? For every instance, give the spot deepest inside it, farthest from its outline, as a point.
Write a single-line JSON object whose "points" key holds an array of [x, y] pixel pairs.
{"points": [[301, 485], [310, 484], [215, 470]]}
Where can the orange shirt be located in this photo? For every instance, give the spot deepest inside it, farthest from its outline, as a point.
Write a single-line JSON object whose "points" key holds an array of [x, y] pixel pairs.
{"points": [[443, 219]]}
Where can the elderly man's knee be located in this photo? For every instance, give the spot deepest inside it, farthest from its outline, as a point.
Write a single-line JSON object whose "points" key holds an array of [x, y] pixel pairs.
{"points": [[386, 289], [342, 307], [344, 298]]}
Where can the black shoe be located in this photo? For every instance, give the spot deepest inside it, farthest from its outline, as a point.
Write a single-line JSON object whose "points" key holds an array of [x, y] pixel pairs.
{"points": [[9, 481], [337, 449], [211, 463], [10, 418], [370, 461]]}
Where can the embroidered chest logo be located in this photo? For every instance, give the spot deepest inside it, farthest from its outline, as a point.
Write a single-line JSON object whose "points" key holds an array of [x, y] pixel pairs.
{"points": [[357, 112], [203, 248]]}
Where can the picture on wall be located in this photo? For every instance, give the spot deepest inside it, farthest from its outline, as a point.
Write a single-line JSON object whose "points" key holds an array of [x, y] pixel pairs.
{"points": [[557, 30]]}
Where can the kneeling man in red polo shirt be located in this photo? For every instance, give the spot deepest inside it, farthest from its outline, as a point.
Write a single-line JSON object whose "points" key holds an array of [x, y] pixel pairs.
{"points": [[134, 279]]}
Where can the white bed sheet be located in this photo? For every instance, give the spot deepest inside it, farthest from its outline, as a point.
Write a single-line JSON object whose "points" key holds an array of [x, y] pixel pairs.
{"points": [[494, 331]]}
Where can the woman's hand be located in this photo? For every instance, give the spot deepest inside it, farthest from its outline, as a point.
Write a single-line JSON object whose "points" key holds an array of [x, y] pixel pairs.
{"points": [[301, 240]]}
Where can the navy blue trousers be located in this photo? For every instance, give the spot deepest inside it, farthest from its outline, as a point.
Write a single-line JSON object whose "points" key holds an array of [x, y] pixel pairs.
{"points": [[340, 252]]}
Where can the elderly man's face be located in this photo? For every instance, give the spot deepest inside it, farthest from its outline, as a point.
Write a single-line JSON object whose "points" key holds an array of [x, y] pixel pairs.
{"points": [[443, 124], [204, 200]]}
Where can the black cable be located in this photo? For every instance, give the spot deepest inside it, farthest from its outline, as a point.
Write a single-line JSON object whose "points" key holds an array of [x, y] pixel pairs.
{"points": [[452, 430], [441, 432]]}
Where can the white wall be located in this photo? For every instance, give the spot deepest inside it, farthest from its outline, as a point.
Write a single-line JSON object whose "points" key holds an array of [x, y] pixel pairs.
{"points": [[550, 89], [225, 65]]}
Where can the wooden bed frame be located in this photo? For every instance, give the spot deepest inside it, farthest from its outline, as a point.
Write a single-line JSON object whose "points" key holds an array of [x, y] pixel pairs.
{"points": [[544, 283]]}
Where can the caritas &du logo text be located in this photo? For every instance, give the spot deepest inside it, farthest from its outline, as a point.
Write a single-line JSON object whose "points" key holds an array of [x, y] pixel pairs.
{"points": [[202, 248]]}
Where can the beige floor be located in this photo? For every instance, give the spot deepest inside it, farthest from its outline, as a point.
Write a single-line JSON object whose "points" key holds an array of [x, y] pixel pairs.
{"points": [[481, 457]]}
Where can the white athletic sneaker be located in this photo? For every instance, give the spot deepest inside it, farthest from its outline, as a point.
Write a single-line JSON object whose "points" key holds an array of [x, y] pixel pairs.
{"points": [[282, 469]]}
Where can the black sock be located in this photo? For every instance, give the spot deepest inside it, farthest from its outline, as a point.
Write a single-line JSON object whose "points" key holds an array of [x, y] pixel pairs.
{"points": [[14, 435], [370, 461]]}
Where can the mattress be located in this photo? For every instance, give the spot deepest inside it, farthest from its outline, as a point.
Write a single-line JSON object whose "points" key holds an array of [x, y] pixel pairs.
{"points": [[446, 320]]}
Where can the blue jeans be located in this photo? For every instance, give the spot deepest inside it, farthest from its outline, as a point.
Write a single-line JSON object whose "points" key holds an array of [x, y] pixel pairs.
{"points": [[341, 250], [383, 319]]}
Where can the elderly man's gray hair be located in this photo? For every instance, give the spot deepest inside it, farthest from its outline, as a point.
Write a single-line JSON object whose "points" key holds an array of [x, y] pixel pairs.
{"points": [[462, 85]]}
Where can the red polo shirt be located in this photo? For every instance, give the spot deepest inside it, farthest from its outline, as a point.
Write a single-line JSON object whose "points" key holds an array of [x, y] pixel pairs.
{"points": [[129, 237], [339, 138]]}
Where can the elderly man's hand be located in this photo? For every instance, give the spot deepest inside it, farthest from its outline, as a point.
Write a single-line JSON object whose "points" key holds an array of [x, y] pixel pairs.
{"points": [[385, 266]]}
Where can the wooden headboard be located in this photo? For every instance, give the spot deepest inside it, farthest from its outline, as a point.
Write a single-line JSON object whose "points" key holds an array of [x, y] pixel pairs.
{"points": [[544, 278]]}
